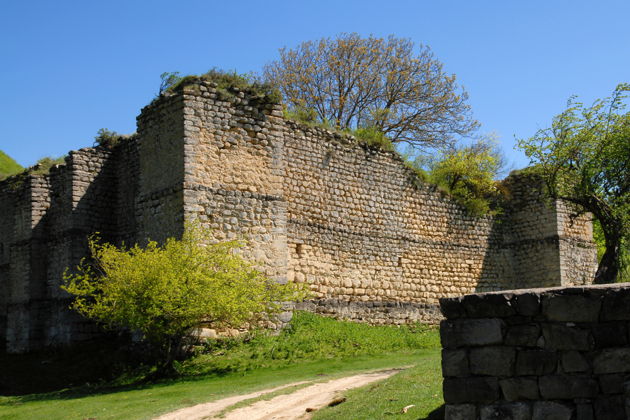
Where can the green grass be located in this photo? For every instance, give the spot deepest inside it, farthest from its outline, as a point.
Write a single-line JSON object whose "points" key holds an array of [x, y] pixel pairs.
{"points": [[420, 386], [8, 166], [311, 348]]}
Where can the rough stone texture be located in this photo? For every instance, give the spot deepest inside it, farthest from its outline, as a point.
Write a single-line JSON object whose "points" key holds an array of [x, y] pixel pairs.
{"points": [[372, 241], [555, 359]]}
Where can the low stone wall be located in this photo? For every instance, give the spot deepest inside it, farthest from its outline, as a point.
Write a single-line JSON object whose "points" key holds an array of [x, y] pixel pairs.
{"points": [[560, 353]]}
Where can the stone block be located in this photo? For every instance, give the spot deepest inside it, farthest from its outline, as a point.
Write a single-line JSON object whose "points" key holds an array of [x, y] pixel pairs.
{"points": [[506, 411], [610, 334], [452, 308], [573, 361], [471, 390], [488, 305], [522, 335], [460, 412], [615, 305], [610, 408], [564, 387], [615, 360], [584, 411], [471, 332], [519, 388], [492, 361], [527, 304], [549, 410], [535, 362], [613, 383], [567, 337], [571, 308], [455, 363]]}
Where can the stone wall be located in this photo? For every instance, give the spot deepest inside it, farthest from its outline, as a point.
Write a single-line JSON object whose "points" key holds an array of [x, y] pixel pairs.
{"points": [[561, 353], [372, 242]]}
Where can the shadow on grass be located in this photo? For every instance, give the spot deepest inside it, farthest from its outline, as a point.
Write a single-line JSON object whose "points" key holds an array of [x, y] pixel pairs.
{"points": [[437, 414]]}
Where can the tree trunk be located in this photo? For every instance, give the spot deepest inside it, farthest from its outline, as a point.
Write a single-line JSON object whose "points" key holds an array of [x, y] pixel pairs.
{"points": [[608, 268]]}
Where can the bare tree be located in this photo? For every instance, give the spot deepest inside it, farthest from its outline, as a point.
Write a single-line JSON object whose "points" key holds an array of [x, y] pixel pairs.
{"points": [[387, 84]]}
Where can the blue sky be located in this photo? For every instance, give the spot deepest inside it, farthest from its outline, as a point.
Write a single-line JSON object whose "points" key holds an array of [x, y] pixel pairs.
{"points": [[72, 67]]}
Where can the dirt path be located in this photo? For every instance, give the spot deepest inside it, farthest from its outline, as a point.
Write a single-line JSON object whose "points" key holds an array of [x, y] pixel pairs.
{"points": [[282, 407]]}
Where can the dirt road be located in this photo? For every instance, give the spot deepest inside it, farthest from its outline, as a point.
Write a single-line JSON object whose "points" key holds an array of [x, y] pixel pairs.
{"points": [[290, 406]]}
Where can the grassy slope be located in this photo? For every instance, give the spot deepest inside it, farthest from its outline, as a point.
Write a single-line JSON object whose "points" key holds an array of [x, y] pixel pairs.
{"points": [[8, 166], [310, 348]]}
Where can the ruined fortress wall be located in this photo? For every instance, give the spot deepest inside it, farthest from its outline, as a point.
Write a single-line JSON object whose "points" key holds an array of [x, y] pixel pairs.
{"points": [[234, 173], [372, 241], [159, 199]]}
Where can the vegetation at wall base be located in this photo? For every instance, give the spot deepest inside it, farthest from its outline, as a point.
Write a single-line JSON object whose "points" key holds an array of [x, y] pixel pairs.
{"points": [[162, 291], [311, 348]]}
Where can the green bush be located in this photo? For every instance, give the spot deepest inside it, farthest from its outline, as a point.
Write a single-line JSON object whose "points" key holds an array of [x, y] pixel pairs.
{"points": [[107, 138], [166, 291]]}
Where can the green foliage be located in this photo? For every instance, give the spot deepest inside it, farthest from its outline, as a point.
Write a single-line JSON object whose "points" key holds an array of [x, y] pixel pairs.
{"points": [[168, 80], [311, 337], [166, 291], [107, 138], [373, 137], [468, 174], [8, 166], [584, 159]]}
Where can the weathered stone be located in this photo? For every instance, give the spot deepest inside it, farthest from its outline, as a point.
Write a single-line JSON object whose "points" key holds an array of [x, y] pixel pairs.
{"points": [[573, 308], [610, 408], [613, 383], [615, 305], [455, 363], [522, 335], [519, 388], [492, 361], [471, 332], [506, 411], [548, 410], [584, 412], [612, 361], [488, 306], [527, 304], [460, 412], [535, 362], [452, 308], [573, 361], [610, 334], [563, 387], [566, 337], [471, 390]]}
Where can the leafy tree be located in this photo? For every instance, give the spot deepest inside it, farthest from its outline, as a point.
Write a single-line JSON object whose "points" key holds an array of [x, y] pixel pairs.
{"points": [[374, 82], [468, 173], [584, 159], [168, 80], [166, 291]]}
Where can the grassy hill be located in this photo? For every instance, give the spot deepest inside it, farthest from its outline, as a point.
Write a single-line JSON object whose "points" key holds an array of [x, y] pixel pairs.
{"points": [[8, 166]]}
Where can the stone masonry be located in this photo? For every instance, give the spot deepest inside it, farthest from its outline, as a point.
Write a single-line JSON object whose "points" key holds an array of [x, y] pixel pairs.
{"points": [[372, 241], [560, 353]]}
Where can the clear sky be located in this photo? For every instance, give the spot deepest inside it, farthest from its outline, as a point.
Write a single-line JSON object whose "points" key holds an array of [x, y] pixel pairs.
{"points": [[69, 68]]}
